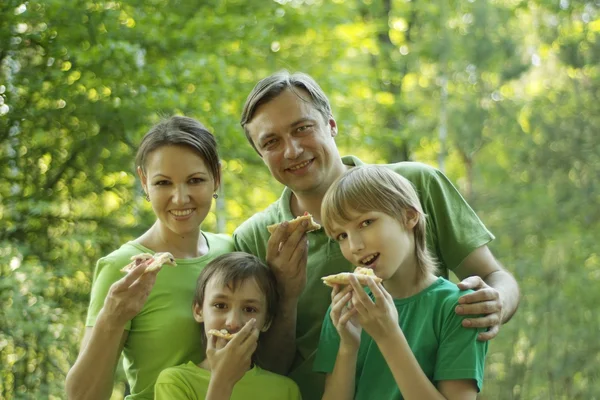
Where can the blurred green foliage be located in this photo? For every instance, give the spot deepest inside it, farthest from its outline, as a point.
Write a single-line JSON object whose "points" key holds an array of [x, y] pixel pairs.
{"points": [[503, 94]]}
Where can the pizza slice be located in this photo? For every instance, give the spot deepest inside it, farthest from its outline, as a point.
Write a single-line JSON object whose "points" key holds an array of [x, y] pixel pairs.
{"points": [[221, 333], [158, 260], [342, 278], [293, 224]]}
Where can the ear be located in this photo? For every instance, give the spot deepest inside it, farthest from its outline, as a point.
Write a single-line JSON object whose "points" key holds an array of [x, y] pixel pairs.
{"points": [[266, 326], [197, 312], [412, 218], [143, 179], [332, 127]]}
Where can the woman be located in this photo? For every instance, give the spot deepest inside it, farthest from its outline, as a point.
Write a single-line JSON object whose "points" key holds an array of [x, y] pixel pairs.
{"points": [[146, 315]]}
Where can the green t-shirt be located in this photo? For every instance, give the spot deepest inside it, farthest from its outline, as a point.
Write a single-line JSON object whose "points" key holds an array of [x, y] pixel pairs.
{"points": [[444, 349], [453, 232], [164, 333], [190, 382]]}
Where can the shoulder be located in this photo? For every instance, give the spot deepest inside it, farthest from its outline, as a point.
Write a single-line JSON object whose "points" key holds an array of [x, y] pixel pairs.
{"points": [[179, 373], [447, 293], [418, 173], [219, 241], [118, 258], [260, 220], [280, 381]]}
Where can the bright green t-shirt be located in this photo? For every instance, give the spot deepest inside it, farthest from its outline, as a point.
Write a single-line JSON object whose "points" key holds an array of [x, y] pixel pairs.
{"points": [[453, 232], [444, 349], [164, 333], [190, 382]]}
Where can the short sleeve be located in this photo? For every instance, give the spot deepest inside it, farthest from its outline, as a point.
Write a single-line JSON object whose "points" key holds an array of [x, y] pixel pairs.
{"points": [[106, 273], [460, 354], [456, 229], [248, 240], [329, 344], [167, 388]]}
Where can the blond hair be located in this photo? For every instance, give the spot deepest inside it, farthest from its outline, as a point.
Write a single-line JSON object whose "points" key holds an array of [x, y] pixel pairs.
{"points": [[375, 188]]}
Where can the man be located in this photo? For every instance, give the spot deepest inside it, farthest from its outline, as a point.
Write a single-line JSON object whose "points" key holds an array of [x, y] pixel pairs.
{"points": [[288, 120]]}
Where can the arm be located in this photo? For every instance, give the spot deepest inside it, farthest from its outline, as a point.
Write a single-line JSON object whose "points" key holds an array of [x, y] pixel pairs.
{"points": [[496, 292], [92, 375], [340, 384], [286, 255], [411, 380]]}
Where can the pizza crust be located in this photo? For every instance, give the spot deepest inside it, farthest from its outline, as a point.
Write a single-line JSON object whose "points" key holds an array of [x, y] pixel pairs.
{"points": [[158, 260], [293, 224], [221, 333], [360, 273]]}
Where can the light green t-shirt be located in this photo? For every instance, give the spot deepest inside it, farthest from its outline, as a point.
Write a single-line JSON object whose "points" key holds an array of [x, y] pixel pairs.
{"points": [[453, 232], [444, 349], [164, 333], [190, 382]]}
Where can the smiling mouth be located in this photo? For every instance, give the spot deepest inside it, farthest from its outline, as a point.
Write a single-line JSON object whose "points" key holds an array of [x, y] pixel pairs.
{"points": [[299, 166], [182, 213], [370, 259]]}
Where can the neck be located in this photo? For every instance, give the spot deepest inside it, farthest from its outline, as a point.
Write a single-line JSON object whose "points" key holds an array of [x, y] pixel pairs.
{"points": [[158, 238], [407, 282]]}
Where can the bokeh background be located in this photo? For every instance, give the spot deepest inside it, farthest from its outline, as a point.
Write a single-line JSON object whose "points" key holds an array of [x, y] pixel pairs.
{"points": [[503, 95]]}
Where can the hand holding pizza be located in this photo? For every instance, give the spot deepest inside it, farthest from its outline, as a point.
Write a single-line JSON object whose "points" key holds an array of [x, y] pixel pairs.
{"points": [[344, 318], [230, 359], [378, 317]]}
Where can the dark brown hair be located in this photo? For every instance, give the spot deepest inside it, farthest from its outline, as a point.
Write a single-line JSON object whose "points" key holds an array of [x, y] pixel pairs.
{"points": [[232, 269], [181, 131], [272, 86]]}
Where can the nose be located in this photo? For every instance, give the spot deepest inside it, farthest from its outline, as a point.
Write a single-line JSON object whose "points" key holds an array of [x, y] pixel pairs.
{"points": [[293, 148], [356, 243], [181, 195], [234, 321]]}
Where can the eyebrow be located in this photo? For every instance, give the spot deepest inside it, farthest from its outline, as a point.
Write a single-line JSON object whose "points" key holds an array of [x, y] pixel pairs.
{"points": [[222, 296], [266, 136], [189, 176]]}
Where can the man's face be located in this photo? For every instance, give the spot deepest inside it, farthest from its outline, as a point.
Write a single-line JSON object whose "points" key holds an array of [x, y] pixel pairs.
{"points": [[296, 142]]}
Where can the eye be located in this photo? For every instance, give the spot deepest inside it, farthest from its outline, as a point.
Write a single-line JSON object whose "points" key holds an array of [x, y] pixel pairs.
{"points": [[162, 183], [220, 306], [341, 236], [366, 223], [269, 143], [304, 128], [196, 181], [250, 309]]}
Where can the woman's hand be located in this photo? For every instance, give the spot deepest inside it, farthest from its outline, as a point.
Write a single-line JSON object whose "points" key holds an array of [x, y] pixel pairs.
{"points": [[127, 296], [230, 360], [378, 318], [344, 318]]}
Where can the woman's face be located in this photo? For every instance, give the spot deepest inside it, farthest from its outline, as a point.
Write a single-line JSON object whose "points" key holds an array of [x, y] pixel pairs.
{"points": [[180, 187]]}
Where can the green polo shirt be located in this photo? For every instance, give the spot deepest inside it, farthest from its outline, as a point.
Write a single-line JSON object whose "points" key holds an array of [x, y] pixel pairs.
{"points": [[453, 232]]}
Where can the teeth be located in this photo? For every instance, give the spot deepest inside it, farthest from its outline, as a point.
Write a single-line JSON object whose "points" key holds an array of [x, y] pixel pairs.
{"points": [[368, 259], [301, 165], [181, 213]]}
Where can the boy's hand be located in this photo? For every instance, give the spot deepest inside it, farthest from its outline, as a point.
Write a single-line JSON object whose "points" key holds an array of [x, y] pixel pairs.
{"points": [[344, 318], [287, 254], [377, 318], [230, 360]]}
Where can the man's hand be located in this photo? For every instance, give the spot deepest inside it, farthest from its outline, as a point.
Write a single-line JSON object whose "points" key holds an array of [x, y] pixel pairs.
{"points": [[485, 301], [287, 254]]}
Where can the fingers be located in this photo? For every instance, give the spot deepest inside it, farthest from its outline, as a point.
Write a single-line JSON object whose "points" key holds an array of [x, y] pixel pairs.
{"points": [[483, 308], [489, 321], [132, 275], [359, 293], [245, 333], [480, 296], [346, 316], [338, 306], [472, 282], [489, 334], [378, 291], [280, 235]]}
